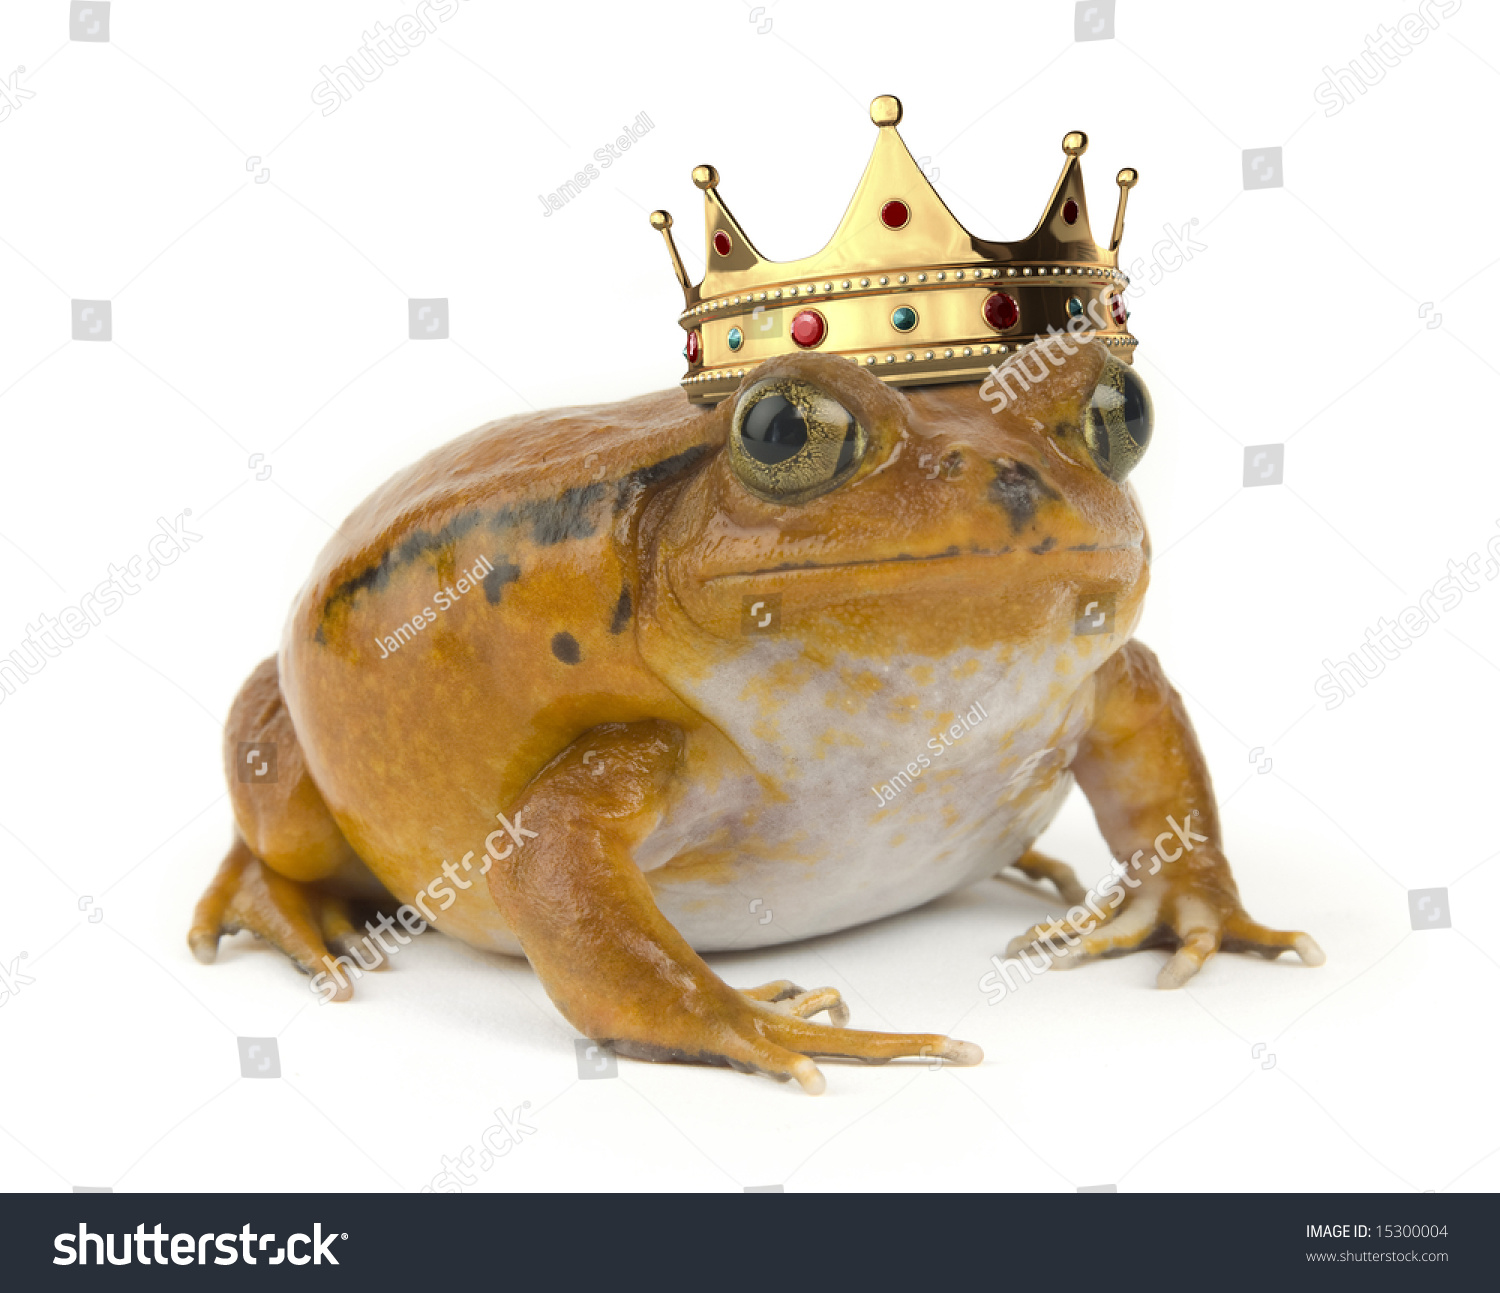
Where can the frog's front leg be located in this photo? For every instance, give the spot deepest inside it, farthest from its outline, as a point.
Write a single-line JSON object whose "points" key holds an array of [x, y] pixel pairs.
{"points": [[612, 963], [1148, 784]]}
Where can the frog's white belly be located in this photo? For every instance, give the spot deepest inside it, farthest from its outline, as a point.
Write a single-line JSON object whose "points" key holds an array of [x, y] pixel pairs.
{"points": [[849, 805]]}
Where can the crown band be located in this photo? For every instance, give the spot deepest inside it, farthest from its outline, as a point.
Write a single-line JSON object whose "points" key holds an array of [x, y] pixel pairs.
{"points": [[886, 284], [913, 280], [926, 367]]}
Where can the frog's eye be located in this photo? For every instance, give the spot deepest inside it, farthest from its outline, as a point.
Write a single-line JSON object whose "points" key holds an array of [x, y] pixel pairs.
{"points": [[1117, 423], [791, 442]]}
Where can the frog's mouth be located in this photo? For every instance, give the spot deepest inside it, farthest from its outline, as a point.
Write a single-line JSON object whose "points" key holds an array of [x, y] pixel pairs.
{"points": [[951, 554]]}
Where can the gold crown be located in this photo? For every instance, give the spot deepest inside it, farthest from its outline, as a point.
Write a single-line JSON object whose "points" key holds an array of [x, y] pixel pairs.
{"points": [[902, 287]]}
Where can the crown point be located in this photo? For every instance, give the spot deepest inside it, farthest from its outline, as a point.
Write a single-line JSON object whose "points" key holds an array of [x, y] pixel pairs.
{"points": [[886, 110], [705, 177], [1075, 143], [1126, 180], [661, 220]]}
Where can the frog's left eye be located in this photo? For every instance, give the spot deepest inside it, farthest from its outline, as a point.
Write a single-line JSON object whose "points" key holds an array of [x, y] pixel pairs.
{"points": [[791, 442], [1117, 423]]}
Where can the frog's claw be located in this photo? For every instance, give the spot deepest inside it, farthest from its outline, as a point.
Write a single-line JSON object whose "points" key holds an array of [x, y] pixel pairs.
{"points": [[1041, 868], [308, 926]]}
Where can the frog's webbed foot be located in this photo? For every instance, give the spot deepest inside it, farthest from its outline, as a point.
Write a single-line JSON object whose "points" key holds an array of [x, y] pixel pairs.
{"points": [[1195, 914], [307, 925], [1043, 869]]}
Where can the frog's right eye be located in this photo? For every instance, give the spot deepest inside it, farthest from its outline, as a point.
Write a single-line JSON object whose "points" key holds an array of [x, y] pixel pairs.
{"points": [[791, 442], [1118, 420]]}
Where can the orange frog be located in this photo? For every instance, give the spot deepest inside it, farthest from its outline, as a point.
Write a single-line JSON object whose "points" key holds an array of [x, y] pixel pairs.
{"points": [[624, 680]]}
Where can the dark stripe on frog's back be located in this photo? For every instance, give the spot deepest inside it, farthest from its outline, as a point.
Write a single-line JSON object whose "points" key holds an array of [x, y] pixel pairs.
{"points": [[628, 487], [574, 514], [577, 513], [494, 582]]}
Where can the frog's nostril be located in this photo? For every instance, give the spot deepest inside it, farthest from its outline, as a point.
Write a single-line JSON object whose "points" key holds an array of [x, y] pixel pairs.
{"points": [[1019, 490]]}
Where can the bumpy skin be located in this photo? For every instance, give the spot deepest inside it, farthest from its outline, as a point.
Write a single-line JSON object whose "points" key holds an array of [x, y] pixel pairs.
{"points": [[674, 774]]}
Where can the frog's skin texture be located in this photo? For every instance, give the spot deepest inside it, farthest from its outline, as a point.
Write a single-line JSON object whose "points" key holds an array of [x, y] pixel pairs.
{"points": [[688, 765]]}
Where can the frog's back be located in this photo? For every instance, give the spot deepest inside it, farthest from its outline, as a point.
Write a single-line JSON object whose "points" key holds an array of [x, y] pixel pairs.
{"points": [[547, 468], [474, 616]]}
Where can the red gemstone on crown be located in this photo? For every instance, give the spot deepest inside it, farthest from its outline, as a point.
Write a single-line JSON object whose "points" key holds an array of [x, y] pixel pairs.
{"points": [[895, 214], [694, 347], [1070, 211], [1001, 311], [1117, 308], [808, 328], [723, 243]]}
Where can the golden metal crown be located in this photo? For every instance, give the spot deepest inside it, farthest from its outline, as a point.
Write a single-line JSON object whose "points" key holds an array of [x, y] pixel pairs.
{"points": [[901, 287]]}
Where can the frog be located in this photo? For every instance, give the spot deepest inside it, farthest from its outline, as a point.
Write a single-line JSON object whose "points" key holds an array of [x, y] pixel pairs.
{"points": [[618, 687]]}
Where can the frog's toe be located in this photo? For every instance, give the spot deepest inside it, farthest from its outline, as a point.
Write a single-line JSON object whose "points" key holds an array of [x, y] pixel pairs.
{"points": [[785, 996], [1241, 934], [1062, 877], [1070, 942], [833, 1041], [1196, 947], [1191, 927], [807, 1004], [786, 1049], [291, 916], [754, 1035], [344, 938], [1199, 932], [776, 990], [792, 1032]]}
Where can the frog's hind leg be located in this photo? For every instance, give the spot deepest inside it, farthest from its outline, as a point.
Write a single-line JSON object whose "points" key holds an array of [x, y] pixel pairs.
{"points": [[1041, 868], [288, 852], [310, 926]]}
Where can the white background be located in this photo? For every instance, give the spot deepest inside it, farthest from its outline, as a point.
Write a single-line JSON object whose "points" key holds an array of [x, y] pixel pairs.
{"points": [[271, 317]]}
